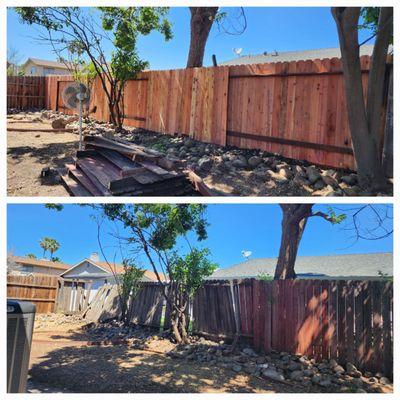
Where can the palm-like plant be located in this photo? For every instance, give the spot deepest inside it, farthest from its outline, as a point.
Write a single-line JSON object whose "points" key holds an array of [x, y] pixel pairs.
{"points": [[53, 247], [49, 244], [44, 244]]}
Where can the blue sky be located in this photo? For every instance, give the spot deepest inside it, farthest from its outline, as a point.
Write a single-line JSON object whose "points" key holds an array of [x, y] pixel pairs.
{"points": [[233, 228], [269, 29]]}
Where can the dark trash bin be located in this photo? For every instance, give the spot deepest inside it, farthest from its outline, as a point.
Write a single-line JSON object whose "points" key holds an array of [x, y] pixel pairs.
{"points": [[20, 320]]}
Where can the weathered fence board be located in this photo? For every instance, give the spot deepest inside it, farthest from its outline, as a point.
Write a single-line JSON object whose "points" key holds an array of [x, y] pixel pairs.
{"points": [[148, 305], [213, 310], [350, 321], [73, 296], [38, 289], [25, 92]]}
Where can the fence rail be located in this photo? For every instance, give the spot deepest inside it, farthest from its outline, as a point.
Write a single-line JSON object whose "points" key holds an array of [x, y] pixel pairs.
{"points": [[296, 109], [38, 289]]}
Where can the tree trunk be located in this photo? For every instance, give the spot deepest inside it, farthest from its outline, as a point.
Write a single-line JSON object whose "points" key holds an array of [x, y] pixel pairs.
{"points": [[293, 224], [201, 21], [387, 156], [376, 86], [365, 144]]}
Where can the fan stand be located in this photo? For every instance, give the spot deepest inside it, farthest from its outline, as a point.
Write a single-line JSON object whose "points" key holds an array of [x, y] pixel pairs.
{"points": [[80, 97]]}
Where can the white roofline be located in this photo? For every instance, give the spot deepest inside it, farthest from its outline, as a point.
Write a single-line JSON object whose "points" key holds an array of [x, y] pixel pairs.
{"points": [[90, 262]]}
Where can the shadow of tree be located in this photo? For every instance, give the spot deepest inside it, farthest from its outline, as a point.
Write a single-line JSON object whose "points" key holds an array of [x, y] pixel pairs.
{"points": [[121, 369], [55, 153]]}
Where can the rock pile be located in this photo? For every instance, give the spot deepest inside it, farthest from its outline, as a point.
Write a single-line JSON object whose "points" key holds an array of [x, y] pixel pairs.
{"points": [[270, 173], [326, 375], [53, 319]]}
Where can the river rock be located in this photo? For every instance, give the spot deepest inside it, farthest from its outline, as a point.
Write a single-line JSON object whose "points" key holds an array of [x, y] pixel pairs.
{"points": [[254, 161], [273, 374], [312, 174]]}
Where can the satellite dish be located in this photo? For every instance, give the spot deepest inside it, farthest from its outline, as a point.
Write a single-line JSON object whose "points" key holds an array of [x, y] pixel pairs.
{"points": [[238, 51], [76, 96], [246, 254]]}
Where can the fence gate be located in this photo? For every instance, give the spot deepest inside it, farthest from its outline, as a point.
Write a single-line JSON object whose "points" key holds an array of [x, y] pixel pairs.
{"points": [[73, 296]]}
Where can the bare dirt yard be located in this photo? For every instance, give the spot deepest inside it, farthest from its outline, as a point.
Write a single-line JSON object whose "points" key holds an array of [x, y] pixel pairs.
{"points": [[62, 361], [29, 152], [68, 356]]}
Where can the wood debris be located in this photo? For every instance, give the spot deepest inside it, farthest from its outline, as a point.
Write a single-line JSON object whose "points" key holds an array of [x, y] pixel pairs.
{"points": [[108, 167]]}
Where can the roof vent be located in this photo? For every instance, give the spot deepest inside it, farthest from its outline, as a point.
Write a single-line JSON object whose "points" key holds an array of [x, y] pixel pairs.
{"points": [[94, 257]]}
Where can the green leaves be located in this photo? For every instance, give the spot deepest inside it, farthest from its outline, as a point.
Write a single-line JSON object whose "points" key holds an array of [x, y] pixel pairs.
{"points": [[190, 270], [335, 218]]}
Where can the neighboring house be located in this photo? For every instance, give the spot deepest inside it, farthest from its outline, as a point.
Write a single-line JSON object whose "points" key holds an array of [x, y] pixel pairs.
{"points": [[275, 56], [99, 272], [26, 265], [346, 266], [36, 67]]}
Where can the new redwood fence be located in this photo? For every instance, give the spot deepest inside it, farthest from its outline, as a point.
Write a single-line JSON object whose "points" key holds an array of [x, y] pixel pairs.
{"points": [[296, 109]]}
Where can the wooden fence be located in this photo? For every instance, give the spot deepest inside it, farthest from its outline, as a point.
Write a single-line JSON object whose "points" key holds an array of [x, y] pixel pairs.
{"points": [[296, 109], [73, 296], [25, 92], [38, 289], [349, 321]]}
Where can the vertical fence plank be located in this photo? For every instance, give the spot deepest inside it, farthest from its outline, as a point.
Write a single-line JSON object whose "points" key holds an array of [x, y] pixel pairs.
{"points": [[360, 344], [387, 329], [377, 324]]}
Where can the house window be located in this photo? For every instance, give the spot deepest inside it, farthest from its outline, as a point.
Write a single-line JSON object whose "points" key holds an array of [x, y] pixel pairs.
{"points": [[49, 71], [33, 70]]}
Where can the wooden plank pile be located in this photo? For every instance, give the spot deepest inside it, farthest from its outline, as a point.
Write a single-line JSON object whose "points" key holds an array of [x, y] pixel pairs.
{"points": [[115, 167]]}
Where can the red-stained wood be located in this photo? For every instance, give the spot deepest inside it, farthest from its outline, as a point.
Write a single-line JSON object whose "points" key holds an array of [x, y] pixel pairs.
{"points": [[295, 109]]}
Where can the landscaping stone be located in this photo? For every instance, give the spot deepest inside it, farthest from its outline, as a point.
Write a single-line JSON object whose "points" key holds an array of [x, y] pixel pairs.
{"points": [[349, 179], [312, 174], [272, 374], [240, 162], [236, 368], [254, 161], [205, 163]]}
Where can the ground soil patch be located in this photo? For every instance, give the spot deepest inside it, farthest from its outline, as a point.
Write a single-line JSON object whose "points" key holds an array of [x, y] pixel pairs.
{"points": [[29, 152]]}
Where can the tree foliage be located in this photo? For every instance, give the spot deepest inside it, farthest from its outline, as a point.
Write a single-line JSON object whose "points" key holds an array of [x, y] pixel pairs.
{"points": [[154, 230], [49, 244], [129, 287], [78, 39]]}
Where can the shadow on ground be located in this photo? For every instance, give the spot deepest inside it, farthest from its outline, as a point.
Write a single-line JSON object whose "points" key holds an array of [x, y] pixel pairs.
{"points": [[121, 369], [54, 154]]}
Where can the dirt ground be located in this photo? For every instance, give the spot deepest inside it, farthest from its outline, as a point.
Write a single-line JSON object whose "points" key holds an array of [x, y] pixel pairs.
{"points": [[29, 152], [61, 361]]}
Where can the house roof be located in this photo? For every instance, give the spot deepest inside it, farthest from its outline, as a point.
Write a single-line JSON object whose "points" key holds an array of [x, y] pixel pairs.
{"points": [[46, 63], [286, 56], [345, 266], [115, 268], [40, 263]]}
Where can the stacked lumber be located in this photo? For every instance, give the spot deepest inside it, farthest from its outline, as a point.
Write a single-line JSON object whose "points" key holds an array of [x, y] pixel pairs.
{"points": [[115, 167]]}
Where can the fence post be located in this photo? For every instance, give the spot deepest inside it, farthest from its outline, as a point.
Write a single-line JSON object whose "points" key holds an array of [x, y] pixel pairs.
{"points": [[235, 306]]}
